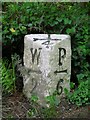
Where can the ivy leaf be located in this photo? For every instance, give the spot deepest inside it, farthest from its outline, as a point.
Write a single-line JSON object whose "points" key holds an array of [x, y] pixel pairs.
{"points": [[34, 98], [67, 21], [72, 85], [59, 19], [71, 31], [80, 76], [30, 25]]}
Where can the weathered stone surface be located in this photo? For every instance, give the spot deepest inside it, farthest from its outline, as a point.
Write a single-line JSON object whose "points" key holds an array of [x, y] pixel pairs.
{"points": [[49, 64]]}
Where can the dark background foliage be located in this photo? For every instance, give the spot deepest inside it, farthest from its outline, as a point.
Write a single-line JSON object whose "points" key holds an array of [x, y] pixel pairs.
{"points": [[61, 18]]}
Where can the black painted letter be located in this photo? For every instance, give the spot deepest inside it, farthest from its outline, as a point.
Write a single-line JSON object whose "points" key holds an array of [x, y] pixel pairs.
{"points": [[34, 53], [61, 56], [59, 87]]}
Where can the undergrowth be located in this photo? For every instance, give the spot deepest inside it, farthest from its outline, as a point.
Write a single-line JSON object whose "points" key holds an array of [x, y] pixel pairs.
{"points": [[8, 75]]}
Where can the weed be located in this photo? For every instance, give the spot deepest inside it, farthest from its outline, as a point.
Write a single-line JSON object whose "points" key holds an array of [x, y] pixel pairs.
{"points": [[8, 76], [43, 112], [80, 96]]}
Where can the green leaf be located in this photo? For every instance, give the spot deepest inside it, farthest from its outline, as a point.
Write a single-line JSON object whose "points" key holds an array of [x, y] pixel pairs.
{"points": [[80, 76], [34, 98], [59, 19], [66, 91], [72, 85], [71, 31], [67, 21]]}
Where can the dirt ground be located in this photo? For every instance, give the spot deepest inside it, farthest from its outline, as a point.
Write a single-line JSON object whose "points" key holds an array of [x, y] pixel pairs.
{"points": [[17, 105]]}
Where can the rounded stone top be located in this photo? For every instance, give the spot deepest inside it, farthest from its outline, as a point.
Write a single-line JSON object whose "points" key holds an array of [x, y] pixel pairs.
{"points": [[60, 36], [45, 36]]}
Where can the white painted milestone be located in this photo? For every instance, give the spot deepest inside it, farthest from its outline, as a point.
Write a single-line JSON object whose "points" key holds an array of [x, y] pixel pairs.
{"points": [[49, 63]]}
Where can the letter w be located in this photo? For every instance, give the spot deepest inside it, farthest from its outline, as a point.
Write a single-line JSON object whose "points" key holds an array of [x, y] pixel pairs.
{"points": [[34, 53]]}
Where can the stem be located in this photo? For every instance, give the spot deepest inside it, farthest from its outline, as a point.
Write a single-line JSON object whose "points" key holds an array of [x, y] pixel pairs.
{"points": [[14, 78]]}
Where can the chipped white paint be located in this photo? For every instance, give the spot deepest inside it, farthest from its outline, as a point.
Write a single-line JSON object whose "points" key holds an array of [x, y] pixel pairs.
{"points": [[50, 64]]}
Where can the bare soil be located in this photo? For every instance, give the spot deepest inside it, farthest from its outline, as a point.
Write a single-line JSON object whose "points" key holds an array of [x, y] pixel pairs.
{"points": [[17, 105]]}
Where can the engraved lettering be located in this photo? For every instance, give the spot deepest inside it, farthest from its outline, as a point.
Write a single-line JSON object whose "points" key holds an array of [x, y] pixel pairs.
{"points": [[35, 53], [34, 84], [59, 87], [60, 71], [38, 56], [61, 56]]}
